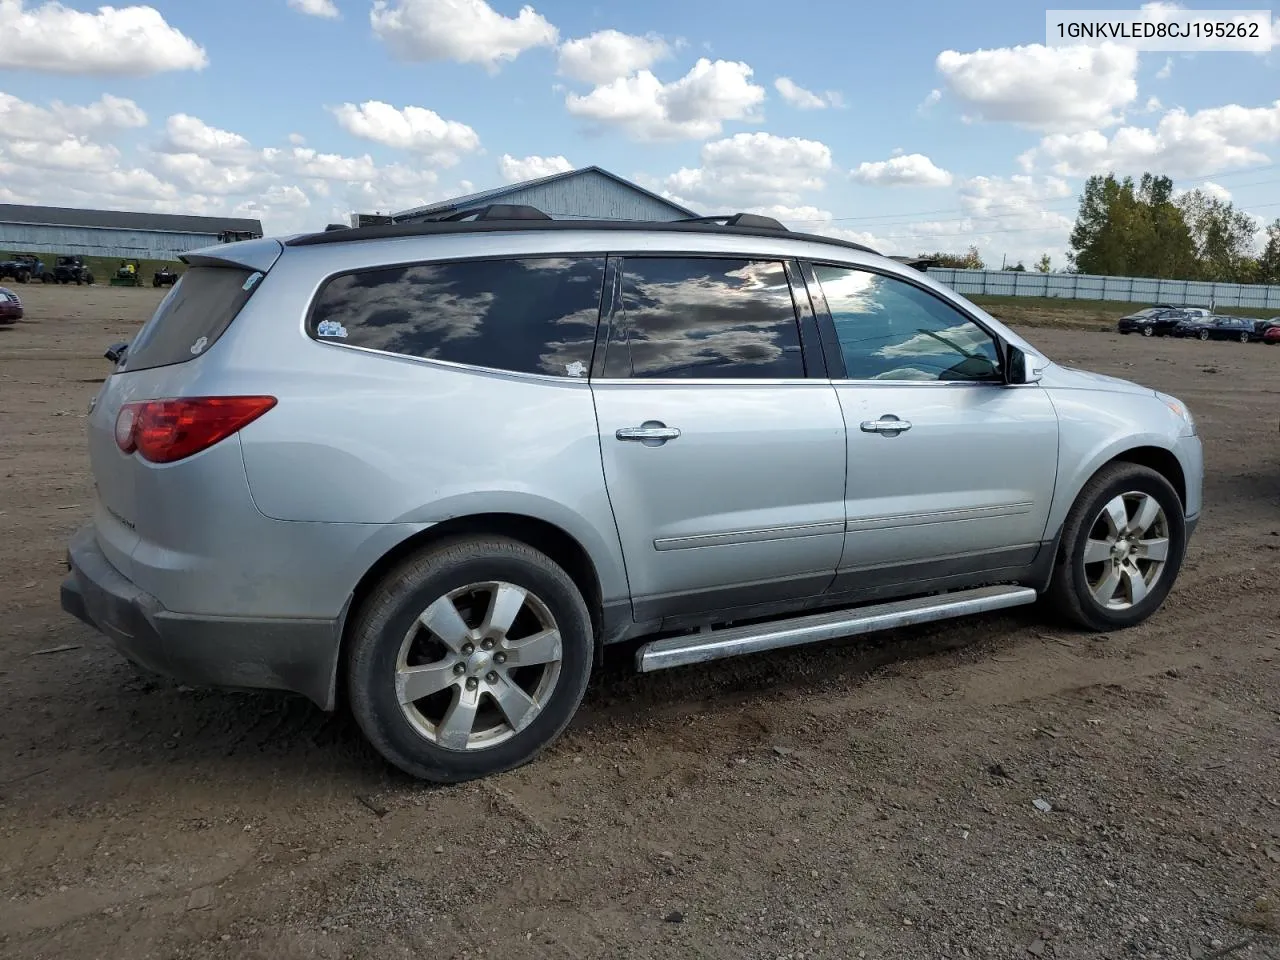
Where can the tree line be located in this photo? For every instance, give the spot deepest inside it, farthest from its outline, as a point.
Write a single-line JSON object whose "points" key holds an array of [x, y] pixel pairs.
{"points": [[1140, 229]]}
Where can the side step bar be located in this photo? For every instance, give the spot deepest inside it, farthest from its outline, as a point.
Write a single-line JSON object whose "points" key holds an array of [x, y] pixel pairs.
{"points": [[733, 641]]}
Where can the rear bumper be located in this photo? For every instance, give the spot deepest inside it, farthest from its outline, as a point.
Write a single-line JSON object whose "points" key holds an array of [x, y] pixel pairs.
{"points": [[300, 656]]}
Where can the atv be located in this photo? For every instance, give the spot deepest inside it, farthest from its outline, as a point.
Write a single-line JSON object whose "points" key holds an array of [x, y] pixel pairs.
{"points": [[23, 267], [71, 270], [164, 277]]}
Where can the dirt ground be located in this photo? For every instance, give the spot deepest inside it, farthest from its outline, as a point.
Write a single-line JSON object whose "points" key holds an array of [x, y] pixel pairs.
{"points": [[858, 799]]}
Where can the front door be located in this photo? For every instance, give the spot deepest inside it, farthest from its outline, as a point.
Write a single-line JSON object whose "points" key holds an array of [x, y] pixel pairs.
{"points": [[951, 472], [724, 462]]}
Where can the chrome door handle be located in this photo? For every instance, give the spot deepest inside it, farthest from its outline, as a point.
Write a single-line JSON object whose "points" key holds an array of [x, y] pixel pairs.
{"points": [[649, 432], [888, 424]]}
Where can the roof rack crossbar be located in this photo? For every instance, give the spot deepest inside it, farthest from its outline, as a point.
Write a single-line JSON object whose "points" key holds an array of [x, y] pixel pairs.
{"points": [[739, 220], [497, 211]]}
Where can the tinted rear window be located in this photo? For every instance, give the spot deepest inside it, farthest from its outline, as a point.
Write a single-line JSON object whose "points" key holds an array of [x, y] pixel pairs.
{"points": [[192, 316], [535, 315]]}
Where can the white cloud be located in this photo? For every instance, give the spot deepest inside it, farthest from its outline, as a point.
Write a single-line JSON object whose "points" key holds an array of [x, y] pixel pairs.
{"points": [[928, 102], [1054, 89], [316, 8], [904, 170], [514, 169], [1180, 145], [803, 99], [693, 107], [1165, 72], [465, 31], [187, 134], [1153, 105], [1215, 190], [20, 120], [297, 139], [73, 153], [750, 170], [418, 129], [120, 41], [608, 54]]}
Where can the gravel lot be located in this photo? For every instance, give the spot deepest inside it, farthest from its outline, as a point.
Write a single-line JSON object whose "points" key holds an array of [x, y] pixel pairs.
{"points": [[869, 798]]}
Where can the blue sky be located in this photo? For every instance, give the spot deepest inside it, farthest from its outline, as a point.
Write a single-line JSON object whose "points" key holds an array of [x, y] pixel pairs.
{"points": [[916, 126]]}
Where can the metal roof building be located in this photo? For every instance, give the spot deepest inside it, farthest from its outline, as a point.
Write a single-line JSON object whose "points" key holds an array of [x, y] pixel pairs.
{"points": [[590, 193], [110, 233]]}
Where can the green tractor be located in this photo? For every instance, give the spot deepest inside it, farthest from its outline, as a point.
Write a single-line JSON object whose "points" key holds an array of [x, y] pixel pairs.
{"points": [[129, 274]]}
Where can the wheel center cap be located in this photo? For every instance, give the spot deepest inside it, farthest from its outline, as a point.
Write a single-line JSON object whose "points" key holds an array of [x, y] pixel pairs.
{"points": [[479, 661]]}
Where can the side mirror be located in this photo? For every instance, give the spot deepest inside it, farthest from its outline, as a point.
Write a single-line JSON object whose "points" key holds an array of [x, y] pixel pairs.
{"points": [[1020, 367]]}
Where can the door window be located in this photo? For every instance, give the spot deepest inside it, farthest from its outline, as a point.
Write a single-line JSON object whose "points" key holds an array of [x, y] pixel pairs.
{"points": [[889, 329], [691, 317]]}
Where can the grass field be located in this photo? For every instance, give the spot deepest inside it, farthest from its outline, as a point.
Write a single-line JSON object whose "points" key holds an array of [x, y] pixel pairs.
{"points": [[1067, 314], [104, 268]]}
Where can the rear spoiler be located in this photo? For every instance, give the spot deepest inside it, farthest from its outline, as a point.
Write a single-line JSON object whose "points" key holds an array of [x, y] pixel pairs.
{"points": [[260, 255]]}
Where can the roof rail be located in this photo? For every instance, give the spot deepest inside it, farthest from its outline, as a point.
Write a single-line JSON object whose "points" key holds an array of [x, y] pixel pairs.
{"points": [[739, 220], [496, 211], [336, 226]]}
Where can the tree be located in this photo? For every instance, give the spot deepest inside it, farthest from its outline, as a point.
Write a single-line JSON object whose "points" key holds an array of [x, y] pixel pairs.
{"points": [[1044, 264], [1124, 229], [1223, 237], [1019, 268], [969, 260], [1269, 262]]}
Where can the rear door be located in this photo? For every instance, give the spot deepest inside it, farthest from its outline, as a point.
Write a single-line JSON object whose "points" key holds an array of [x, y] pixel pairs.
{"points": [[722, 439]]}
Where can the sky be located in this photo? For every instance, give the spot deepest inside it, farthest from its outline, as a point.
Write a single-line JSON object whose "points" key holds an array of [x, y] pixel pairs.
{"points": [[910, 126]]}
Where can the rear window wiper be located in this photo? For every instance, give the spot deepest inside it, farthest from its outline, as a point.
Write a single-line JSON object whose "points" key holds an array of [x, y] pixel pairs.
{"points": [[115, 353]]}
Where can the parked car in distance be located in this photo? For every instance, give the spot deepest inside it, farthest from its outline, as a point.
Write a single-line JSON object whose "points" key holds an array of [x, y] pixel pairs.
{"points": [[10, 306], [1217, 328], [164, 277], [1272, 333], [1153, 321], [71, 270], [471, 455]]}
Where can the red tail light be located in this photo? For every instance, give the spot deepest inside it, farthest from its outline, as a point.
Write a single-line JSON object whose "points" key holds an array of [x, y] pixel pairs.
{"points": [[163, 431]]}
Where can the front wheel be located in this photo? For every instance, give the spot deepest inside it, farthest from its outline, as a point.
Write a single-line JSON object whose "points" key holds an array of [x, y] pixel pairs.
{"points": [[1147, 331], [23, 276], [1244, 338], [1121, 549], [1204, 334], [469, 659]]}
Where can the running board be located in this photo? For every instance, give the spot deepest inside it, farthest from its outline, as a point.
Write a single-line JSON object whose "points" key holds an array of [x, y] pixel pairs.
{"points": [[733, 641]]}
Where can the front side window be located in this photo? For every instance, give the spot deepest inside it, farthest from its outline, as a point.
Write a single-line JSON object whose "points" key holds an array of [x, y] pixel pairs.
{"points": [[696, 317], [889, 329], [526, 316]]}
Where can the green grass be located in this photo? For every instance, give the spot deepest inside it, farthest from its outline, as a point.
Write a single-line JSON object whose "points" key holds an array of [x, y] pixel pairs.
{"points": [[1076, 314], [104, 268]]}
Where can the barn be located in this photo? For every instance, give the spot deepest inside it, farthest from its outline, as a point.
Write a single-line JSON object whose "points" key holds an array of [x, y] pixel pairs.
{"points": [[589, 193], [109, 233]]}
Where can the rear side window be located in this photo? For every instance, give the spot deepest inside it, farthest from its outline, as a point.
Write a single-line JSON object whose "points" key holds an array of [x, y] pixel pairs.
{"points": [[525, 316], [705, 317], [190, 319]]}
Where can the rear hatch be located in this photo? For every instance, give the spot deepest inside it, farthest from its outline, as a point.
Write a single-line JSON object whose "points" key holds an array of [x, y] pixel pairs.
{"points": [[162, 361]]}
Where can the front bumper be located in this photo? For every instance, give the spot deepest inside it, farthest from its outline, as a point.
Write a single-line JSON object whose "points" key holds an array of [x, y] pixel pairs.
{"points": [[300, 656]]}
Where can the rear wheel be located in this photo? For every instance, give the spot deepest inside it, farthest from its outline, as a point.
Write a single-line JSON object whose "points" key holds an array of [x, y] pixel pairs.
{"points": [[1122, 546], [469, 659], [23, 276]]}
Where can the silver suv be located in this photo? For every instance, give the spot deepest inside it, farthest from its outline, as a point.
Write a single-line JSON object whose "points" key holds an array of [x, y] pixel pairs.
{"points": [[433, 470]]}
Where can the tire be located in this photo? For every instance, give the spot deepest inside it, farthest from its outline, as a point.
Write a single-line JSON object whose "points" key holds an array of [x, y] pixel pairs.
{"points": [[22, 276], [1203, 334], [88, 278], [1147, 331], [1244, 338], [1071, 590], [388, 631]]}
